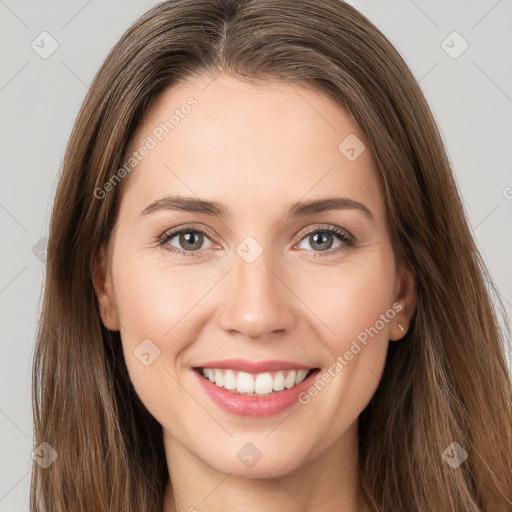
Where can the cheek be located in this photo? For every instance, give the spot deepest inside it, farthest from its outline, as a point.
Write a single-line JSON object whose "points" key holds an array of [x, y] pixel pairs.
{"points": [[354, 305], [155, 300], [167, 305], [350, 299], [158, 317]]}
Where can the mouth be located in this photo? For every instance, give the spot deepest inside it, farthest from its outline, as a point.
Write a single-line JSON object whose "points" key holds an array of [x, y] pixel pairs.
{"points": [[255, 384]]}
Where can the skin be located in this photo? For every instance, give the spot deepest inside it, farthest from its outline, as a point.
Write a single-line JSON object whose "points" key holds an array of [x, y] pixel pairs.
{"points": [[255, 149]]}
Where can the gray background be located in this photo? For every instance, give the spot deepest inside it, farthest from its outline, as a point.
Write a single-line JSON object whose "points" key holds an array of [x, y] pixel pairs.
{"points": [[471, 97]]}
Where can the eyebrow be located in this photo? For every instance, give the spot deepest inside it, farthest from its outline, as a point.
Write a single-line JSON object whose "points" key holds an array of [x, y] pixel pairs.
{"points": [[296, 209]]}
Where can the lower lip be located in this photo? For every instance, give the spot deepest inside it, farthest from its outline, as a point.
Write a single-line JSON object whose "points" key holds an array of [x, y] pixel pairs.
{"points": [[245, 405]]}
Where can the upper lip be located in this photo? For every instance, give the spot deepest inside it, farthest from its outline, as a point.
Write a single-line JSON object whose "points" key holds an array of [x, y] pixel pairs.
{"points": [[244, 365]]}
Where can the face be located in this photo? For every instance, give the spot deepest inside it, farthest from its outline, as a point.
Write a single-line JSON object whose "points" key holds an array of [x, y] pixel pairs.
{"points": [[251, 278]]}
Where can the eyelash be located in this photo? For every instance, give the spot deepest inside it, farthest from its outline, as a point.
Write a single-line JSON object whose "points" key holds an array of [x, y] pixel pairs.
{"points": [[347, 240]]}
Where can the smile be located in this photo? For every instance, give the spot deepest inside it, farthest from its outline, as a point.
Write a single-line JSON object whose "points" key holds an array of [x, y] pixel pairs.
{"points": [[259, 384], [246, 397]]}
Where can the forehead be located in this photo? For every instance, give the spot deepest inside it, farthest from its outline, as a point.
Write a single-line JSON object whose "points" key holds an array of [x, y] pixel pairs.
{"points": [[249, 145]]}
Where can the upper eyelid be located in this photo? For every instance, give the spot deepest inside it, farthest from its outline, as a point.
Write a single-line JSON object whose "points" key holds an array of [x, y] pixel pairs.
{"points": [[326, 227], [175, 231]]}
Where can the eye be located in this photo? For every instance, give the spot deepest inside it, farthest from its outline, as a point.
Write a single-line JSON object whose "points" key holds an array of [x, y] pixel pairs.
{"points": [[189, 241], [322, 239], [186, 241]]}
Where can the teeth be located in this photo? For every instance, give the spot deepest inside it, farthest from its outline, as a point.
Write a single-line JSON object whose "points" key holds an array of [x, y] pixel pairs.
{"points": [[245, 383], [260, 384], [263, 384], [279, 381], [289, 382], [301, 375], [219, 378], [229, 380]]}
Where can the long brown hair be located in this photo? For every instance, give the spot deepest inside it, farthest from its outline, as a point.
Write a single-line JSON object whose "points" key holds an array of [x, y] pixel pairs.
{"points": [[447, 381]]}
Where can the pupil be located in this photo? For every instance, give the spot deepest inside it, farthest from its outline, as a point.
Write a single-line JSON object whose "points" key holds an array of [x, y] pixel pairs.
{"points": [[189, 236], [325, 237]]}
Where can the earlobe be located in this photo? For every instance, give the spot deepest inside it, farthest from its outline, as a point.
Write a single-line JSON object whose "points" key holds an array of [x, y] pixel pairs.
{"points": [[406, 297], [102, 281]]}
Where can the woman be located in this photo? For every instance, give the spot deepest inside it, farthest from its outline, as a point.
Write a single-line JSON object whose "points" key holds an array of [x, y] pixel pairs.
{"points": [[262, 292]]}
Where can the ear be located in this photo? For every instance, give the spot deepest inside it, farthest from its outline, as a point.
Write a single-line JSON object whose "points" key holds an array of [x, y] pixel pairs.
{"points": [[102, 280], [406, 299]]}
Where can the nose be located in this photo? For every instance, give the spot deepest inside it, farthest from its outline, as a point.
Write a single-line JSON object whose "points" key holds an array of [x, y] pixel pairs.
{"points": [[256, 299]]}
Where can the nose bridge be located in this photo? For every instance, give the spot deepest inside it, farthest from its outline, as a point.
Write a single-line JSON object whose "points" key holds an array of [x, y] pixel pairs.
{"points": [[257, 302]]}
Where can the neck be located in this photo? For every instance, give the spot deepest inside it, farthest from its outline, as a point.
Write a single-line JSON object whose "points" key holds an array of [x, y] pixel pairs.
{"points": [[325, 483]]}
